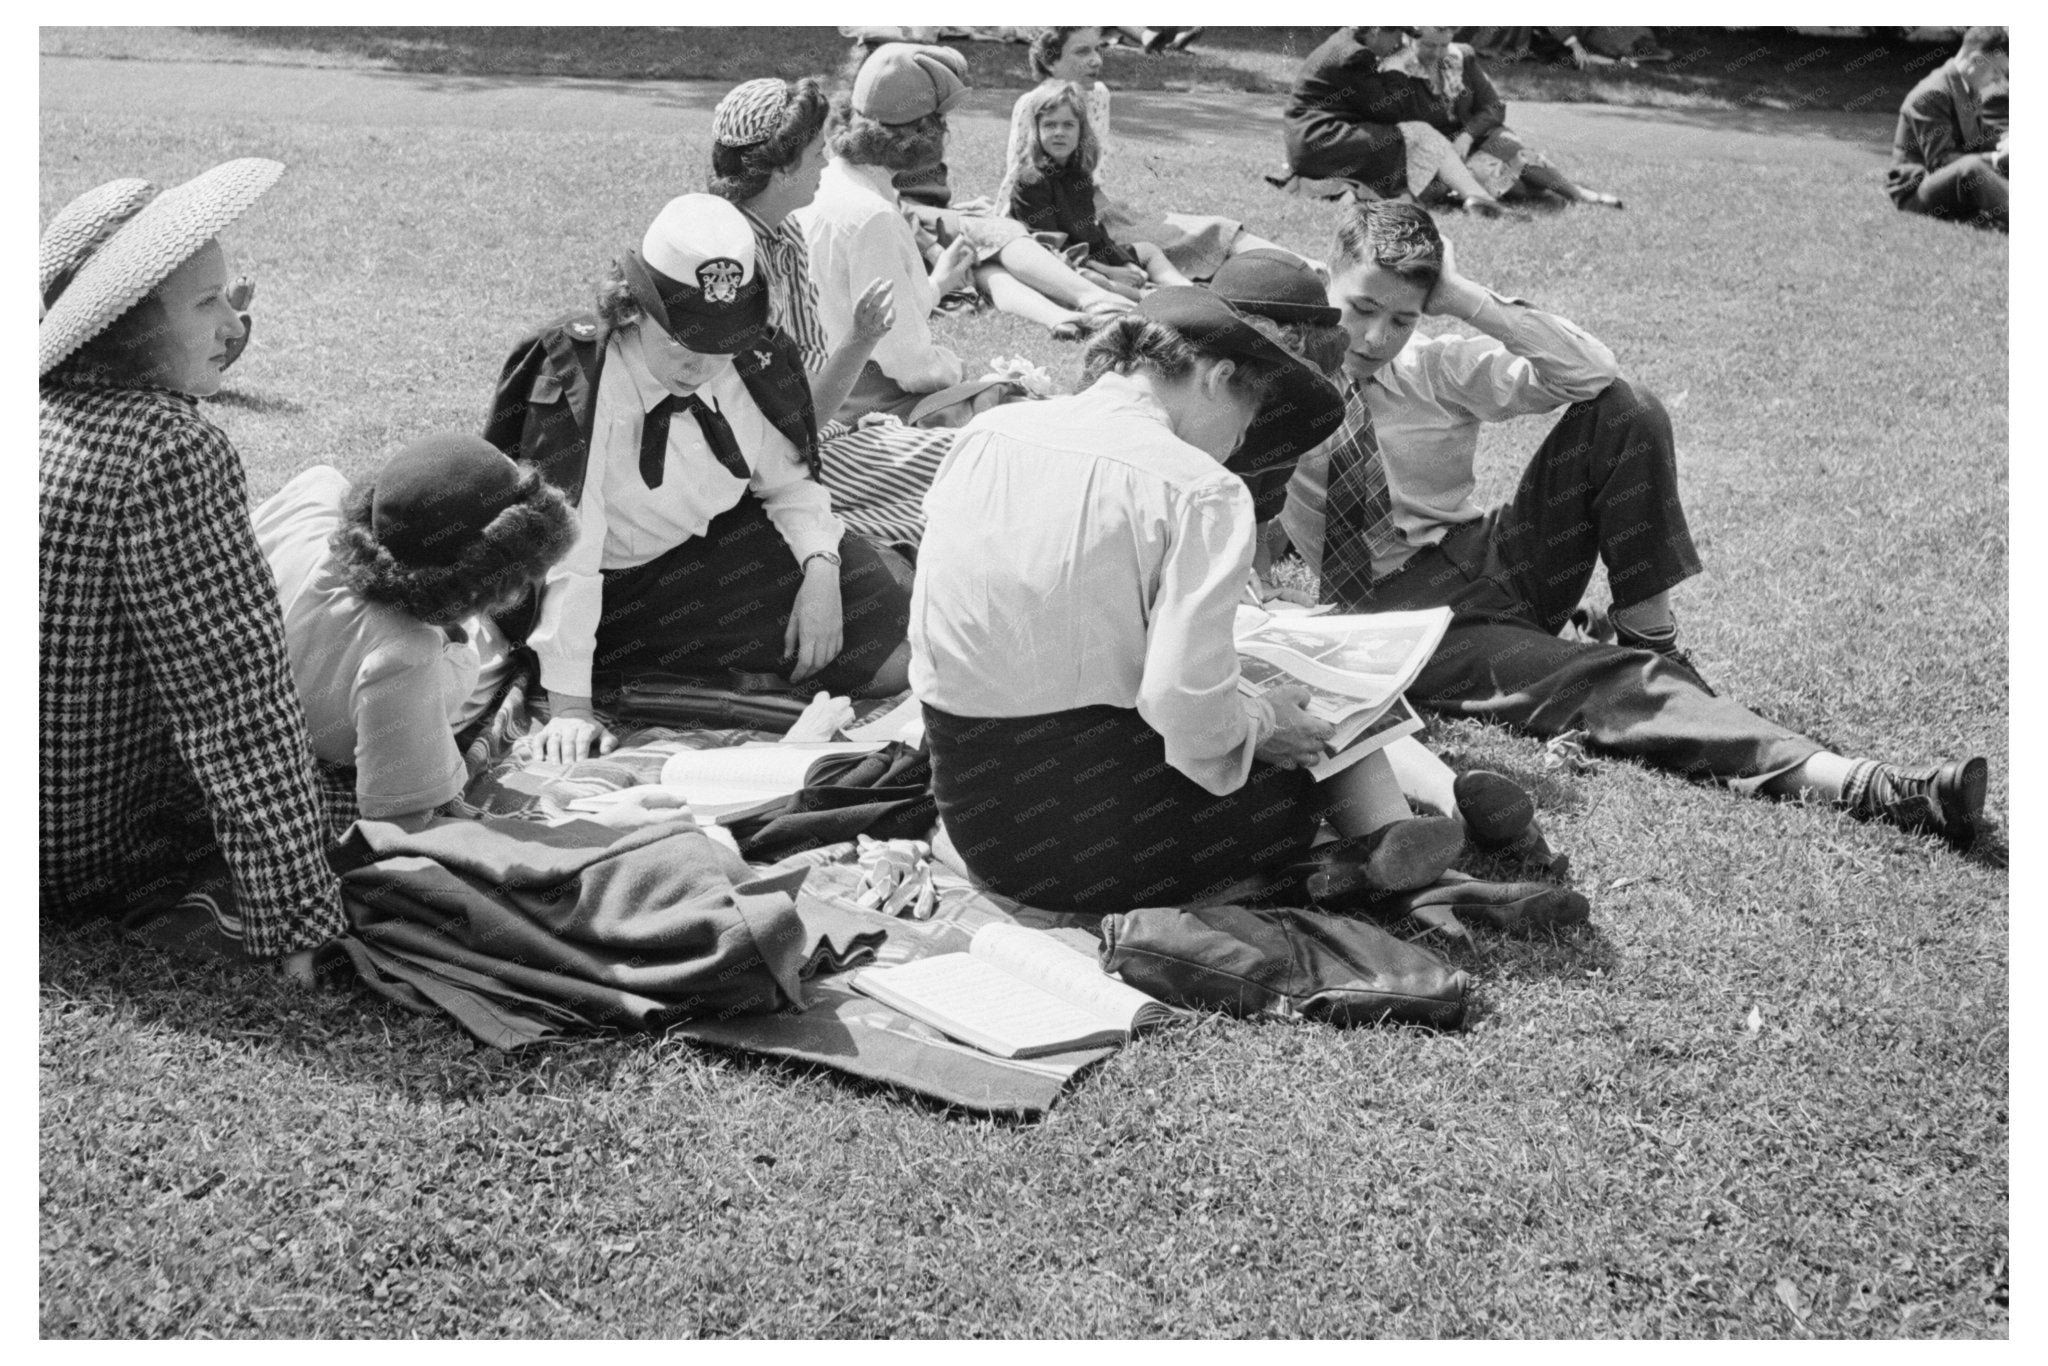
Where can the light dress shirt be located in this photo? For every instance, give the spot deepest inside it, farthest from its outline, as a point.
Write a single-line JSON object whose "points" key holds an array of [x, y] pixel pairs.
{"points": [[622, 522], [1077, 553], [1427, 406], [857, 234], [383, 691]]}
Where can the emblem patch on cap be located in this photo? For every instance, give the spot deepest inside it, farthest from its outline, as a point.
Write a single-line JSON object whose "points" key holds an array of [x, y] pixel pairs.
{"points": [[719, 278]]}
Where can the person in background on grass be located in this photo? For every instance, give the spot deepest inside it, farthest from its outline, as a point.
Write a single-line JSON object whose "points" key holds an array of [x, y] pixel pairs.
{"points": [[1951, 155], [1073, 646], [1356, 115], [767, 154], [888, 162], [171, 738], [388, 592], [678, 421], [1196, 245], [1384, 512], [1474, 117], [1051, 188]]}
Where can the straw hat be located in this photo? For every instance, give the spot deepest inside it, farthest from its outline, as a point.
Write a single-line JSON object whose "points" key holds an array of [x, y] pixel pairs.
{"points": [[162, 236], [80, 225]]}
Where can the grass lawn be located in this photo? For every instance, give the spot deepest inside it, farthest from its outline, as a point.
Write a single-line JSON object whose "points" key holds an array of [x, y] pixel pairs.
{"points": [[1764, 1094]]}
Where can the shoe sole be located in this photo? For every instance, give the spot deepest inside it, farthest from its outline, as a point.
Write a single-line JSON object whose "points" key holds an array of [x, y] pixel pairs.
{"points": [[1549, 909], [1962, 803], [1410, 857], [1496, 811]]}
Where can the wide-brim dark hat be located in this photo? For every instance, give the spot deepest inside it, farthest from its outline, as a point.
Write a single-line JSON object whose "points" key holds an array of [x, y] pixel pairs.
{"points": [[1275, 284], [1301, 410]]}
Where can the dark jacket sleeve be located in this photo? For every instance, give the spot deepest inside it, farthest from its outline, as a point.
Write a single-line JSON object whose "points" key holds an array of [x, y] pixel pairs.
{"points": [[1489, 111], [1032, 203], [1929, 120]]}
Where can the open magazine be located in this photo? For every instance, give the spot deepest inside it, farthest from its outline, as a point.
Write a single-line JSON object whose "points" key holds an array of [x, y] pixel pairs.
{"points": [[1355, 667], [1016, 993]]}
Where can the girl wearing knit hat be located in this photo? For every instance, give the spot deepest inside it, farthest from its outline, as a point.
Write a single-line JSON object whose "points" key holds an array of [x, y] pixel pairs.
{"points": [[888, 147], [388, 590], [170, 735], [678, 421]]}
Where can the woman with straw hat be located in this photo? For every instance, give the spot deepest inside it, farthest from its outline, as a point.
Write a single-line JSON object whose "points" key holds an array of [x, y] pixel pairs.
{"points": [[170, 732]]}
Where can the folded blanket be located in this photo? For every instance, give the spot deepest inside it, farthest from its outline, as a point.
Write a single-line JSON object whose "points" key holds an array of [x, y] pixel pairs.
{"points": [[532, 930]]}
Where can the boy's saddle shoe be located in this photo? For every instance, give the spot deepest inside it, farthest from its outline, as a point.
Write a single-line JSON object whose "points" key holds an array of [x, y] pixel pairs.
{"points": [[1942, 799]]}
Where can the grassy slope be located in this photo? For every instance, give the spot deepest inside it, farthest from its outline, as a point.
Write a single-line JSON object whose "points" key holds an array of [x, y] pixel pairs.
{"points": [[1608, 1151]]}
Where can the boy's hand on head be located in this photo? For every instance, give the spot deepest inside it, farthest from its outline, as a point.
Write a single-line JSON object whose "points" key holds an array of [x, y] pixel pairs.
{"points": [[1453, 295]]}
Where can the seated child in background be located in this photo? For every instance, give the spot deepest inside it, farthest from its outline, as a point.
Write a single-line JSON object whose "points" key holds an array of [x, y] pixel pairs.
{"points": [[388, 590], [1051, 188]]}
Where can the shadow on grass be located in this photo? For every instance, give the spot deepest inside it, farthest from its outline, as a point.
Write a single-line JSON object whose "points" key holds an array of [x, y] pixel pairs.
{"points": [[1710, 67], [257, 401]]}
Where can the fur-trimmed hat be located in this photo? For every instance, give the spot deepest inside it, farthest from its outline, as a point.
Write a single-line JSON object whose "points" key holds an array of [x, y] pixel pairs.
{"points": [[451, 525], [903, 82], [141, 253]]}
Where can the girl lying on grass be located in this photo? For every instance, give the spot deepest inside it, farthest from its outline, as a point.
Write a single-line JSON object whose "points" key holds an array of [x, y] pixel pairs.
{"points": [[388, 591], [1051, 188]]}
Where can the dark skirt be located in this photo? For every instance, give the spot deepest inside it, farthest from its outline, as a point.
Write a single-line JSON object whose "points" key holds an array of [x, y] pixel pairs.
{"points": [[1078, 811], [721, 601]]}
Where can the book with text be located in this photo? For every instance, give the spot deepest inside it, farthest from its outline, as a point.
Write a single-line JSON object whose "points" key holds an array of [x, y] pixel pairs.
{"points": [[1016, 993], [1355, 667]]}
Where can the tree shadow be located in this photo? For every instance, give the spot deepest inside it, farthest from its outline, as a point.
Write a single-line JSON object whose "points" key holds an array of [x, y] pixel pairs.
{"points": [[257, 401]]}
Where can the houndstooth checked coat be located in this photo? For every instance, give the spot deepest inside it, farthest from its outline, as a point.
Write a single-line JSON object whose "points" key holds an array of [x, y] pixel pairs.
{"points": [[168, 715]]}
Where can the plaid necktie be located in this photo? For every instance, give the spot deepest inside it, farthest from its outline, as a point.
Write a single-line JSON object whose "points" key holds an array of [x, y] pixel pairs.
{"points": [[717, 435], [1358, 510]]}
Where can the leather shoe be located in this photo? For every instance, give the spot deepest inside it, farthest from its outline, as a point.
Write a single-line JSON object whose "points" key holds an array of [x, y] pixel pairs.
{"points": [[1510, 907], [1501, 818], [1402, 856], [1945, 799]]}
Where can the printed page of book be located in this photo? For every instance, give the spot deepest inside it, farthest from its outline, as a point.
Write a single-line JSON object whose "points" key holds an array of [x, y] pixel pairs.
{"points": [[1354, 740], [1071, 975], [734, 777], [978, 1002]]}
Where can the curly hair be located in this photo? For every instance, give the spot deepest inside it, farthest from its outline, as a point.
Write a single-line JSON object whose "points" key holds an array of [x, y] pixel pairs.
{"points": [[1322, 345], [1395, 236], [856, 138], [521, 544], [1046, 46], [1031, 161], [1129, 344], [740, 173]]}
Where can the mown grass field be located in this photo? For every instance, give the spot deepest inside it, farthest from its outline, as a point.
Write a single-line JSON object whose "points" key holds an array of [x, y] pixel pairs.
{"points": [[1764, 1094]]}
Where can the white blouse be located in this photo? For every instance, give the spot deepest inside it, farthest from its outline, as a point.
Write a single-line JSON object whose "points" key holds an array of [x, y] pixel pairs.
{"points": [[856, 235], [1077, 553], [622, 522]]}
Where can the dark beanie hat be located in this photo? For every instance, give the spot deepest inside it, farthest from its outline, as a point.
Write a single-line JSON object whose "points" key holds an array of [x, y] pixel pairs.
{"points": [[438, 494]]}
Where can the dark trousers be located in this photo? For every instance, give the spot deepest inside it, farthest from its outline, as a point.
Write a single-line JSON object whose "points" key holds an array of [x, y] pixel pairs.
{"points": [[1601, 489], [721, 601], [1968, 187], [1079, 812]]}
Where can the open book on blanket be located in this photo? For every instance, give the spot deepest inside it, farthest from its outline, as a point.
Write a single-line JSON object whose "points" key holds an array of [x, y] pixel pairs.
{"points": [[1355, 667], [1016, 993]]}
